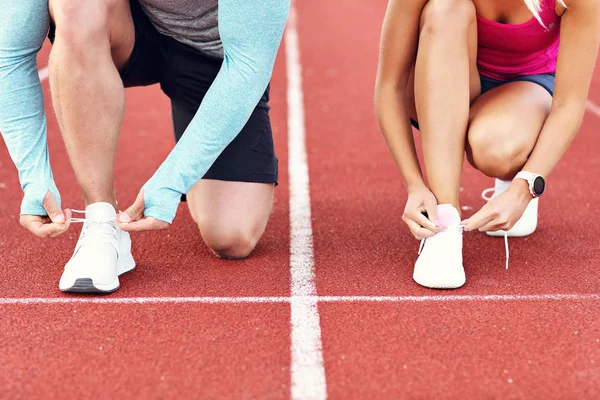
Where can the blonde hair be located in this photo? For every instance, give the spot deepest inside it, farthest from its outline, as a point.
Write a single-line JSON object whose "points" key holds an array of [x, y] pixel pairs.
{"points": [[535, 6]]}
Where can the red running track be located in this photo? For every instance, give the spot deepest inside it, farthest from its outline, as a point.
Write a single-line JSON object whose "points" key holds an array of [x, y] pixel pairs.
{"points": [[412, 348]]}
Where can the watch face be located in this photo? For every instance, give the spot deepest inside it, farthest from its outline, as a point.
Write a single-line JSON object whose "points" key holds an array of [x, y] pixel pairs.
{"points": [[539, 185]]}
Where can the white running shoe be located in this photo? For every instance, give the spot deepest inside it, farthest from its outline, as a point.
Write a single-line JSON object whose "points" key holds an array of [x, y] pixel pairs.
{"points": [[101, 255], [526, 225], [440, 262]]}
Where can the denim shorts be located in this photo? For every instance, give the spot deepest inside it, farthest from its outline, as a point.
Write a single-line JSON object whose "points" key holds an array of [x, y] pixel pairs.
{"points": [[544, 80]]}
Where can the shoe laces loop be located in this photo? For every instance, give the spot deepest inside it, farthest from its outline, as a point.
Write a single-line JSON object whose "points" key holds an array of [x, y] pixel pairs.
{"points": [[488, 194], [109, 236]]}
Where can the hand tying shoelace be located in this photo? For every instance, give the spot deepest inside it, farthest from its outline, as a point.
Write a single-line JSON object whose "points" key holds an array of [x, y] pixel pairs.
{"points": [[459, 229], [449, 228], [110, 235]]}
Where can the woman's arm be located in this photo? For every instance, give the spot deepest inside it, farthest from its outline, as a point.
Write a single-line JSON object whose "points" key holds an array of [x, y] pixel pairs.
{"points": [[23, 29], [397, 55], [579, 40], [251, 32]]}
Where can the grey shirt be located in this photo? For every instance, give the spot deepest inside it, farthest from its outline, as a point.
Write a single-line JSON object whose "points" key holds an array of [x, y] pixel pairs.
{"points": [[192, 22]]}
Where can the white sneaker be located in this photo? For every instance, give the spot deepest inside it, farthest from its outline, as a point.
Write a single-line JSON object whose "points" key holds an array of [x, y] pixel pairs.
{"points": [[101, 255], [526, 225], [440, 262]]}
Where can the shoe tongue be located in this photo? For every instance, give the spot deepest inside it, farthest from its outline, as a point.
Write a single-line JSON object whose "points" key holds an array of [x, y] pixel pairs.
{"points": [[448, 215], [100, 212]]}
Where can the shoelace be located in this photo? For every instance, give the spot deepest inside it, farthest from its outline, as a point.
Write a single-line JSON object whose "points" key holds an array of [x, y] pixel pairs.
{"points": [[487, 195], [459, 229], [110, 237], [456, 228]]}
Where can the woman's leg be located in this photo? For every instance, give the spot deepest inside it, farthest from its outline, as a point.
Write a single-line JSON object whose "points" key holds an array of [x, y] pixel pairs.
{"points": [[504, 126], [446, 81]]}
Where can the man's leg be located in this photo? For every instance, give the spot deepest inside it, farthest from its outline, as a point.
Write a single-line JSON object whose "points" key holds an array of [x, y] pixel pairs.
{"points": [[233, 202], [232, 216], [93, 40]]}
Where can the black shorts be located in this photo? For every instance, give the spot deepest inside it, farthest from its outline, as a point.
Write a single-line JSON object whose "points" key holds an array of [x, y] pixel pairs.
{"points": [[185, 75], [544, 80]]}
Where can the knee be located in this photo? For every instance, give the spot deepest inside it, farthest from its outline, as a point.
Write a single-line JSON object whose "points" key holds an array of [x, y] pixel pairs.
{"points": [[233, 243], [446, 16], [81, 23], [495, 158]]}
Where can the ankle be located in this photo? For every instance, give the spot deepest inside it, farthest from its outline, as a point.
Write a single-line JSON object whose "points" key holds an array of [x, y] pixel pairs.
{"points": [[112, 202]]}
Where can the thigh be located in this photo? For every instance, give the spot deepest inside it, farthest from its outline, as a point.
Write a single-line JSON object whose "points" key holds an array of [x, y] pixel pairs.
{"points": [[114, 16], [134, 41], [508, 117], [221, 206], [143, 65], [474, 81], [250, 157]]}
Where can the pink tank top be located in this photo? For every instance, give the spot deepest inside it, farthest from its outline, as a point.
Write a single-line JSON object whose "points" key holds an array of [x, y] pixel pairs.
{"points": [[507, 51]]}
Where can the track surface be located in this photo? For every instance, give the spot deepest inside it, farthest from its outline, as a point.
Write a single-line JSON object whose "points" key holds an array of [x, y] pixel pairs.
{"points": [[177, 328]]}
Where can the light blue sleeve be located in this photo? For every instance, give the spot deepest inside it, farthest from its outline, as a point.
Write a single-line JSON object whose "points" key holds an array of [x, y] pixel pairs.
{"points": [[23, 29], [251, 32]]}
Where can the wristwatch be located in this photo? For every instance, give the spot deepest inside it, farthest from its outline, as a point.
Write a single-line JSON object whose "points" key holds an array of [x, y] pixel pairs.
{"points": [[537, 183]]}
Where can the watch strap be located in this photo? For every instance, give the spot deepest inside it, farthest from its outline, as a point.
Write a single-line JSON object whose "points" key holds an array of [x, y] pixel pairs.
{"points": [[529, 177]]}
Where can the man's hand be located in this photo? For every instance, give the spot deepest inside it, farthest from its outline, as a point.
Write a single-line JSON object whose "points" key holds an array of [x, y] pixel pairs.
{"points": [[503, 211], [133, 220], [56, 223]]}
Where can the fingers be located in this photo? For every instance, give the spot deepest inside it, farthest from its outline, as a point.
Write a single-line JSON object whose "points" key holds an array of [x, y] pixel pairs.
{"points": [[431, 208], [134, 212], [480, 218], [42, 227], [145, 224], [496, 224], [53, 210], [65, 226], [423, 221], [56, 223], [417, 230]]}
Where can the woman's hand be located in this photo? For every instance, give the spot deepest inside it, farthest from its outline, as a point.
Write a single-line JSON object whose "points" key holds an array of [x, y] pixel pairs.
{"points": [[421, 199], [503, 211]]}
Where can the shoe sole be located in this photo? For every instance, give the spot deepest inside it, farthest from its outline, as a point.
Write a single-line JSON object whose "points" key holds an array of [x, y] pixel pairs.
{"points": [[510, 234], [86, 285], [448, 286], [452, 283]]}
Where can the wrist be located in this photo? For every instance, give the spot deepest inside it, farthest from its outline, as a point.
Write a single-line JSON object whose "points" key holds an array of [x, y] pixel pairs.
{"points": [[535, 182], [521, 187], [416, 185]]}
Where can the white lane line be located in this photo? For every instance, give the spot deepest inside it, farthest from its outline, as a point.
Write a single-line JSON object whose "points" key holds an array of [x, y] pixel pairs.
{"points": [[307, 370], [301, 299], [44, 73], [142, 300], [457, 298]]}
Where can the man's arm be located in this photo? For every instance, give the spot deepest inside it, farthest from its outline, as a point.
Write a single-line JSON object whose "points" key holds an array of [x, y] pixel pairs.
{"points": [[23, 29], [251, 32]]}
